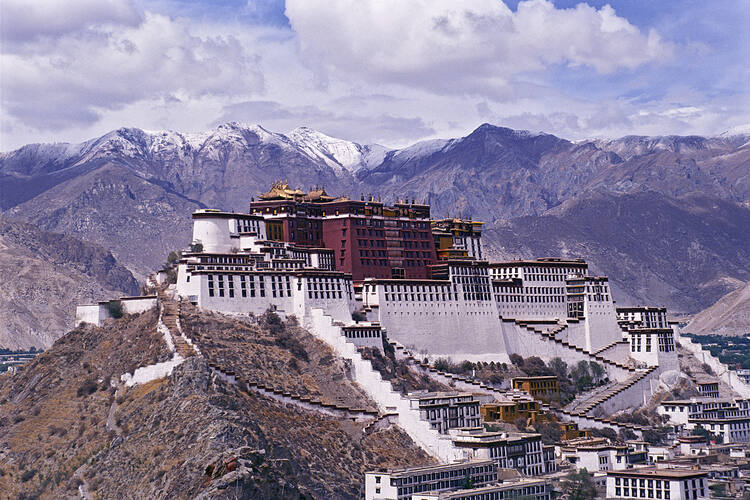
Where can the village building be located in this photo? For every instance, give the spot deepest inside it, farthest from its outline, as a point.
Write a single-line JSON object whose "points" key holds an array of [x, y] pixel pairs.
{"points": [[446, 410], [542, 387], [660, 484], [523, 452], [536, 489], [726, 418], [401, 484], [598, 454]]}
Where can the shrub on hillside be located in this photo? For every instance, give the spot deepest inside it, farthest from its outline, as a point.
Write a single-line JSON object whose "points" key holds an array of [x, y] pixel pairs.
{"points": [[89, 386], [115, 308]]}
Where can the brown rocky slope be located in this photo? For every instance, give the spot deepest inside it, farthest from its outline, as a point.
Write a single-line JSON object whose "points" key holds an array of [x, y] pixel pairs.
{"points": [[66, 429], [44, 276]]}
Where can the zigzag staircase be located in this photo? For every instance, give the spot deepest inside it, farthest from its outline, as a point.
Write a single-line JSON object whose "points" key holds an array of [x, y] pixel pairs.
{"points": [[515, 394], [381, 391], [551, 336]]}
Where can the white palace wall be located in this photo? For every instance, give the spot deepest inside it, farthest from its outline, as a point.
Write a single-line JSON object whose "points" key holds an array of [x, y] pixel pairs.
{"points": [[617, 353], [520, 341], [462, 330], [601, 324], [285, 293], [437, 445]]}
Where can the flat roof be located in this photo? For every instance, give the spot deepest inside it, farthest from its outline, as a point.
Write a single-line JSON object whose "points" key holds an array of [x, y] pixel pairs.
{"points": [[510, 485], [656, 473], [433, 468], [437, 394], [641, 309], [539, 377], [543, 261], [218, 214]]}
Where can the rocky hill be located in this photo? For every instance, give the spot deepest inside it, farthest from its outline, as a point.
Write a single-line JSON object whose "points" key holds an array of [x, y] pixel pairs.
{"points": [[132, 191], [730, 315], [70, 427], [45, 275]]}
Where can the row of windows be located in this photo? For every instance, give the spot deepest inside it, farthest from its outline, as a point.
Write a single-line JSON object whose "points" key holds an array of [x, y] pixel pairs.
{"points": [[362, 334], [634, 492], [535, 299], [247, 283], [367, 243]]}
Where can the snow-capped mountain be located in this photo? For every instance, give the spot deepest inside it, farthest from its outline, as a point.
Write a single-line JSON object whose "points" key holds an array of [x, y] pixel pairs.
{"points": [[133, 190], [337, 153], [342, 156]]}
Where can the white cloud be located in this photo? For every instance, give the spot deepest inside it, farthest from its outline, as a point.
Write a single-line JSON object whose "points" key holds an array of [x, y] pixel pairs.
{"points": [[392, 71], [91, 68], [23, 20], [464, 47]]}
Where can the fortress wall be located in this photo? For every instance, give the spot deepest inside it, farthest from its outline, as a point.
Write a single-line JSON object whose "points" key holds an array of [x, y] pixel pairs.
{"points": [[91, 313], [601, 325], [446, 329], [575, 334], [137, 305], [618, 353], [635, 396], [520, 341], [720, 369], [381, 391]]}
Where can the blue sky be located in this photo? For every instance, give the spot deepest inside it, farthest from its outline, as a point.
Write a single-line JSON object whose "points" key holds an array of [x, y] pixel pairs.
{"points": [[387, 71]]}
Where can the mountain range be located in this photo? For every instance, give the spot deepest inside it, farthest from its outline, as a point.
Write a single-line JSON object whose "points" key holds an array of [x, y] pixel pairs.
{"points": [[665, 217]]}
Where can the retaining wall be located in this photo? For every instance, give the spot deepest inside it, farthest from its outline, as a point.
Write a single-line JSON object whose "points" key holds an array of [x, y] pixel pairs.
{"points": [[381, 391], [721, 370]]}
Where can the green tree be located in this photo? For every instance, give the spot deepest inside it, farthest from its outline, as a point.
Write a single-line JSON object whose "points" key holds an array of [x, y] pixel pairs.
{"points": [[699, 430], [597, 371], [558, 367], [517, 360], [115, 308], [173, 257], [581, 376], [550, 432], [579, 485]]}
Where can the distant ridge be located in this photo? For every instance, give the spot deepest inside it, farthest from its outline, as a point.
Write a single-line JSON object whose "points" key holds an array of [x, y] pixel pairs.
{"points": [[145, 184]]}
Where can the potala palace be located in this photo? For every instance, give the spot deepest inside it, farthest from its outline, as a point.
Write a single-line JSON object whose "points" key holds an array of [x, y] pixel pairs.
{"points": [[425, 282], [354, 271]]}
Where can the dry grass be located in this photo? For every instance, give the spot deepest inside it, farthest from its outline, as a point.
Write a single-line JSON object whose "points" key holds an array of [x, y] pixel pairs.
{"points": [[286, 357]]}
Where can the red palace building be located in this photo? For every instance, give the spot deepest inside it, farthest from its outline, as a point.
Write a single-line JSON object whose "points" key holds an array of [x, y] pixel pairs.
{"points": [[369, 239]]}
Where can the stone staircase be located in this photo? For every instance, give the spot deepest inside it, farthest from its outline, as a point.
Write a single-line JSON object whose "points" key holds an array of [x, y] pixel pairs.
{"points": [[170, 318], [515, 395], [591, 404], [549, 336], [608, 346], [439, 446]]}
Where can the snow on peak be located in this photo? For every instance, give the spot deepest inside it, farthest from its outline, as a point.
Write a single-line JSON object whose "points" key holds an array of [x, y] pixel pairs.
{"points": [[740, 130], [337, 153], [423, 149]]}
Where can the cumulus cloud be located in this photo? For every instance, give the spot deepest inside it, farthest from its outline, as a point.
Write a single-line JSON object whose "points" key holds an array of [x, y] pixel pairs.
{"points": [[24, 21], [112, 60], [469, 46]]}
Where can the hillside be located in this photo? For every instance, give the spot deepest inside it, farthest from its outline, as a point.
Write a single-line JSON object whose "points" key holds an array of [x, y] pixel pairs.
{"points": [[730, 315], [45, 275], [190, 435], [132, 192]]}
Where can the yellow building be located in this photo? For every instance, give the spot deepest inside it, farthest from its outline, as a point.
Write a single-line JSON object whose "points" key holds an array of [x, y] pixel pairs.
{"points": [[539, 387], [509, 411], [570, 430]]}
